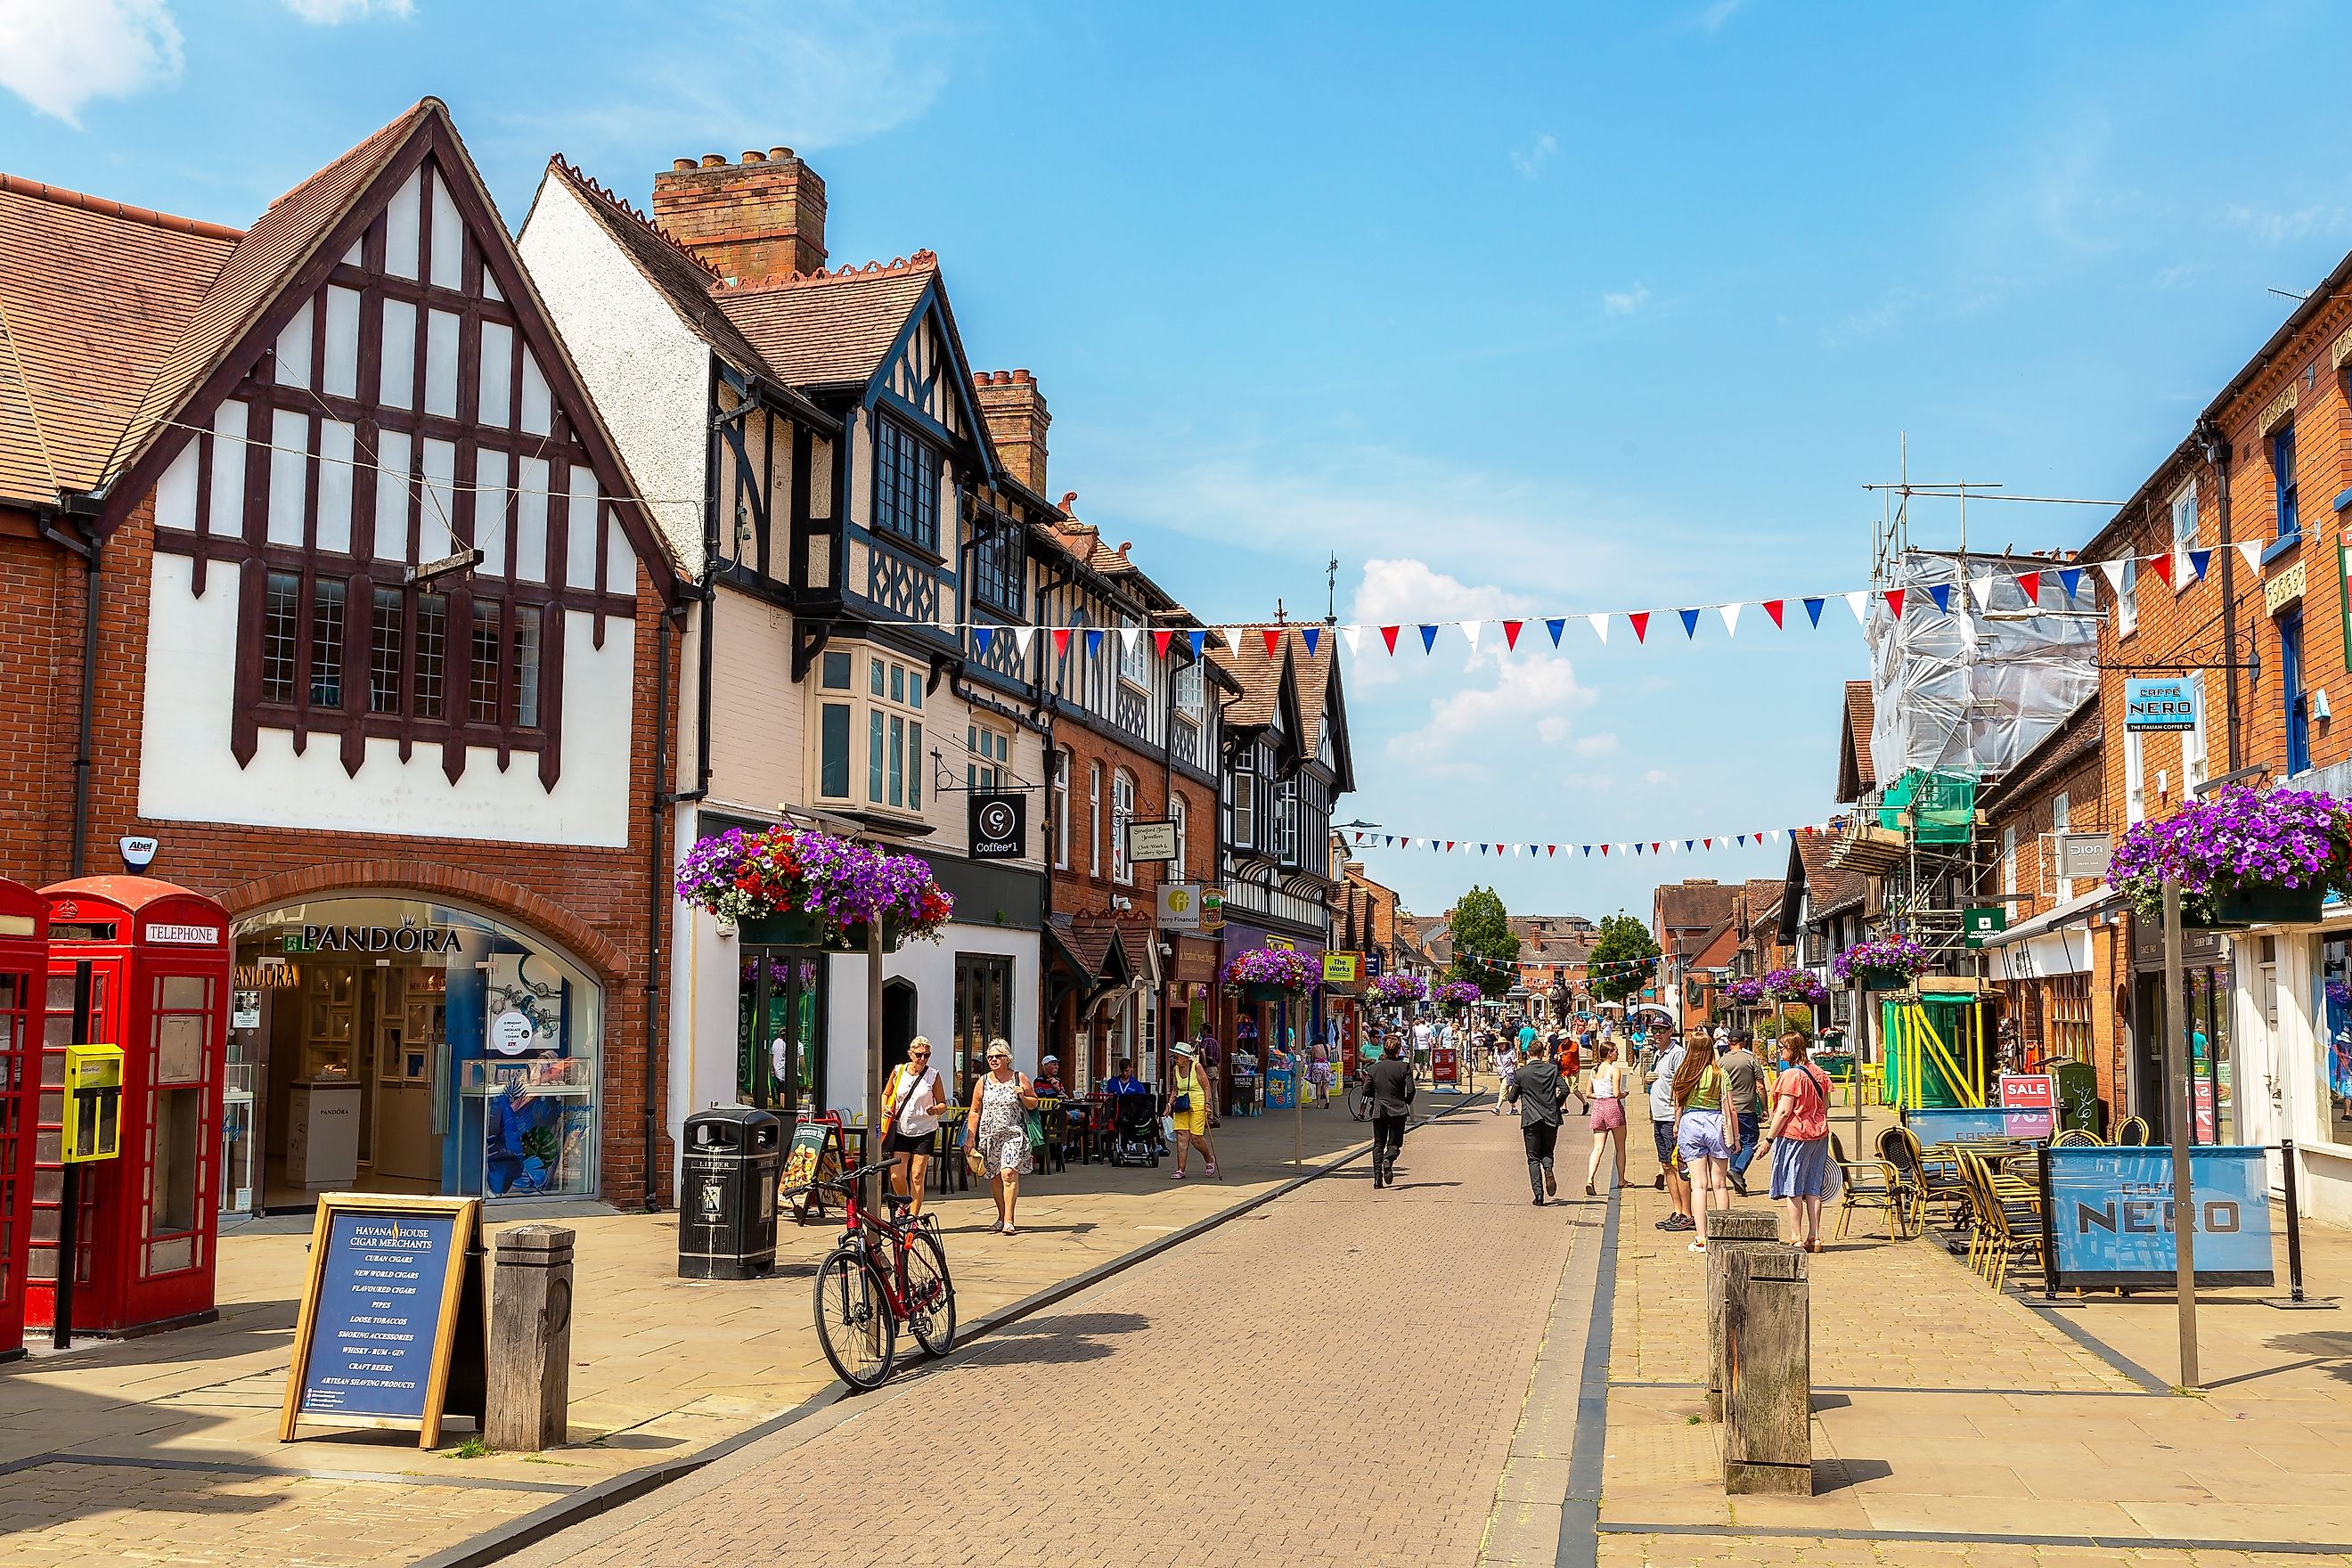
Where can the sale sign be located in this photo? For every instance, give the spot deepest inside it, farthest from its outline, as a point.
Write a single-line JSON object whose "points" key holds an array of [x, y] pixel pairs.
{"points": [[2029, 1103]]}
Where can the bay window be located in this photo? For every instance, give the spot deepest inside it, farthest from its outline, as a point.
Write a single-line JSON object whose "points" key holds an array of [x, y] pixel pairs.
{"points": [[886, 708]]}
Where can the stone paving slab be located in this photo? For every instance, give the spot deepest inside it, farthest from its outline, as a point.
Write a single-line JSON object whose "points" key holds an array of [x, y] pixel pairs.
{"points": [[662, 1368]]}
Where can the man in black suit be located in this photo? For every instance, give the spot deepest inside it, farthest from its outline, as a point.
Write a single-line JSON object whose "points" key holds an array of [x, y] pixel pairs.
{"points": [[1538, 1088], [1389, 1087]]}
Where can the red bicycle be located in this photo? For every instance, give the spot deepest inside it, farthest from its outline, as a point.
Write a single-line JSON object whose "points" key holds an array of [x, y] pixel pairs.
{"points": [[865, 1292]]}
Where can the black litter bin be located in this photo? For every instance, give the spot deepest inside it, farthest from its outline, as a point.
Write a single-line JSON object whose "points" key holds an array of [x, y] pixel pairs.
{"points": [[727, 1194]]}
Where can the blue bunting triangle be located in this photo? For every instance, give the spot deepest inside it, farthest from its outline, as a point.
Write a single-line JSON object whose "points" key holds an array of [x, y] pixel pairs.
{"points": [[1310, 636], [1743, 842], [981, 636], [1690, 622], [1553, 626], [1588, 850], [1428, 640], [2197, 562], [1813, 609], [2070, 578], [1094, 643], [1198, 640], [1942, 593]]}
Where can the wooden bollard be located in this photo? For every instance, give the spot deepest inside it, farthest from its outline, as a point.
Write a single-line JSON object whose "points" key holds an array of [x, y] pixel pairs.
{"points": [[1767, 1427], [530, 1339], [1728, 1231]]}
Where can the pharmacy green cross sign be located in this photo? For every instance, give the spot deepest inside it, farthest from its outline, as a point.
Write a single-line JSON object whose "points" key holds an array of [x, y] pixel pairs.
{"points": [[1980, 923]]}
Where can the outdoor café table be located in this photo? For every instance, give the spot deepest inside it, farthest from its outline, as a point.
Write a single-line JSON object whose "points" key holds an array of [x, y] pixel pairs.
{"points": [[1049, 1121], [947, 1157]]}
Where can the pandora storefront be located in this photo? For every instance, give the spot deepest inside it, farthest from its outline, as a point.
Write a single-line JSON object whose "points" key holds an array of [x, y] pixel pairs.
{"points": [[391, 1044]]}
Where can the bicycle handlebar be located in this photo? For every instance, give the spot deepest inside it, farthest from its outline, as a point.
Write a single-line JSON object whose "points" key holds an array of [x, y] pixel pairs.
{"points": [[845, 1181]]}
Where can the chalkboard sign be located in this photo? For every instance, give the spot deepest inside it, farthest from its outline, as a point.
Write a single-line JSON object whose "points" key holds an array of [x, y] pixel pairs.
{"points": [[378, 1331], [813, 1155]]}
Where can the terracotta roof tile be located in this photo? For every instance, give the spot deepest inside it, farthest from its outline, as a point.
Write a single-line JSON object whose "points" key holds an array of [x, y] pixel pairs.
{"points": [[829, 329], [1856, 775], [92, 297]]}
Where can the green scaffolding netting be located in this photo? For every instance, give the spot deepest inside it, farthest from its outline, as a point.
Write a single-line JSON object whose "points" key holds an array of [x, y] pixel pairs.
{"points": [[1943, 805]]}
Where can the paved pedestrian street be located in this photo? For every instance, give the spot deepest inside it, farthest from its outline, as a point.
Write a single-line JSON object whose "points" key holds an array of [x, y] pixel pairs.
{"points": [[1341, 1378]]}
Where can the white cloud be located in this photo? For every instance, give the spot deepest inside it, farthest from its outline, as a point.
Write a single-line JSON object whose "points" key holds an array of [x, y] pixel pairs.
{"points": [[332, 13], [1656, 776], [2274, 227], [1625, 304], [1467, 725], [1529, 157], [816, 74], [1603, 744], [57, 55], [1717, 15]]}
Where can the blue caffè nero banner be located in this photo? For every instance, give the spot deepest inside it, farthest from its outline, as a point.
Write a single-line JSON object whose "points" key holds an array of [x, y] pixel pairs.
{"points": [[2110, 1218], [2161, 702], [1932, 1126], [379, 1314]]}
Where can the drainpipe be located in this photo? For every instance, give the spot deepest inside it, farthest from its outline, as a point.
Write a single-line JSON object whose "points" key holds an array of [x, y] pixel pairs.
{"points": [[654, 911], [2217, 453], [85, 547]]}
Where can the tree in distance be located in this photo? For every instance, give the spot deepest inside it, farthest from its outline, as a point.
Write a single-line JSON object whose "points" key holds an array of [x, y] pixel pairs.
{"points": [[1624, 961]]}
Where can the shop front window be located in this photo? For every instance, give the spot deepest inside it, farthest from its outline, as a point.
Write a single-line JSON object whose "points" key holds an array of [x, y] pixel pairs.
{"points": [[475, 1048], [2336, 1039]]}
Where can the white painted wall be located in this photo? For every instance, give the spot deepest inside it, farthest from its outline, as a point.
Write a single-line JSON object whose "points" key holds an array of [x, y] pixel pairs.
{"points": [[189, 774], [649, 375], [758, 756]]}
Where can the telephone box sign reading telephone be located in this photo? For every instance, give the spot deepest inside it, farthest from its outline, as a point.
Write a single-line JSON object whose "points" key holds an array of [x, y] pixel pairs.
{"points": [[93, 1120]]}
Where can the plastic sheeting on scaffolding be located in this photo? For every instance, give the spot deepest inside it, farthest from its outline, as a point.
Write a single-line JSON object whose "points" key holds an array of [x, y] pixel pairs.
{"points": [[1971, 687]]}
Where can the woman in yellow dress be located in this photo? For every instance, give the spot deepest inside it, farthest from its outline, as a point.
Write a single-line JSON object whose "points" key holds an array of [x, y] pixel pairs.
{"points": [[1187, 1111]]}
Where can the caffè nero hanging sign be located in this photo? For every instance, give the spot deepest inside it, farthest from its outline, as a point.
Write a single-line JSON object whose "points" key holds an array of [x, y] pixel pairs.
{"points": [[373, 939]]}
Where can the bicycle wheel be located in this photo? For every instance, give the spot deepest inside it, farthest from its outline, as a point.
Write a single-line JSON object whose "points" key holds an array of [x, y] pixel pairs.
{"points": [[930, 1295], [853, 1320], [1360, 1104]]}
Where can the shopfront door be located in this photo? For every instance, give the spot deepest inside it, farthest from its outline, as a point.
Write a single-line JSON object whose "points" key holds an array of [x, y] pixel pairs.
{"points": [[407, 1019], [779, 1030], [2205, 989]]}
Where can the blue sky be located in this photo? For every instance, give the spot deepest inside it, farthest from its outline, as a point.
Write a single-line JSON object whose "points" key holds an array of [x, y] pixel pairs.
{"points": [[1514, 309]]}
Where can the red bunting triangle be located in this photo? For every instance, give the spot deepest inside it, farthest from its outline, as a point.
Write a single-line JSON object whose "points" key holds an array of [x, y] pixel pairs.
{"points": [[2162, 566], [1449, 847], [1708, 842], [1272, 636], [1641, 619], [1160, 643], [1553, 851], [1388, 636], [1654, 846], [2029, 584], [1511, 633], [1061, 641], [1605, 850], [1772, 608], [1894, 601]]}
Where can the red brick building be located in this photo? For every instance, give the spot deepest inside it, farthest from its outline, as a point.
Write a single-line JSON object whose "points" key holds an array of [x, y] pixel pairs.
{"points": [[428, 804]]}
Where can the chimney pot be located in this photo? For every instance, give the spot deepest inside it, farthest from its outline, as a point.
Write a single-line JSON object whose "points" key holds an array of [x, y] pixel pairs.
{"points": [[676, 163], [1021, 378], [753, 155], [779, 154], [763, 217], [714, 160]]}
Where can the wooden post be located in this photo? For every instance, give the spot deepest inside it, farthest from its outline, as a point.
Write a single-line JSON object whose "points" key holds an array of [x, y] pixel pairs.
{"points": [[1729, 1231], [1768, 1428], [2177, 1066], [530, 1339]]}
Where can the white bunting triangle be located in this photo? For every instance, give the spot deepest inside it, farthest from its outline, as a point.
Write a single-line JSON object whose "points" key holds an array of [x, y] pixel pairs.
{"points": [[1023, 636], [1128, 637], [1859, 603], [1600, 624], [1730, 618], [1981, 590], [1471, 629], [2251, 549], [1354, 635]]}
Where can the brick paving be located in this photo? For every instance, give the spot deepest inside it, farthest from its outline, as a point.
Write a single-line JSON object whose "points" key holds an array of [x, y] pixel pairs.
{"points": [[1337, 1379]]}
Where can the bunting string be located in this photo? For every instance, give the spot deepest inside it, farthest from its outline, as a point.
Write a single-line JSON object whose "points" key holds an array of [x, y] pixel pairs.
{"points": [[1681, 844], [2048, 589]]}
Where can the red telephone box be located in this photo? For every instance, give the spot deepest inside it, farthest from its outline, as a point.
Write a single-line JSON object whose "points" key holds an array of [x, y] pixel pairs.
{"points": [[146, 965], [24, 981]]}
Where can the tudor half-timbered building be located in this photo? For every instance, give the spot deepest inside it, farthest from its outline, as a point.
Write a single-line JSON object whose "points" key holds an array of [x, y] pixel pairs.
{"points": [[375, 657], [851, 526]]}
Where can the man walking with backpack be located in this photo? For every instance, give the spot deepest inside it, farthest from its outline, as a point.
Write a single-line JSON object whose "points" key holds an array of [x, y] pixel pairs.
{"points": [[1538, 1088]]}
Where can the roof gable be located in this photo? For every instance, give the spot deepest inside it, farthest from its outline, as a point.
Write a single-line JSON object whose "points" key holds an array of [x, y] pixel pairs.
{"points": [[1857, 776]]}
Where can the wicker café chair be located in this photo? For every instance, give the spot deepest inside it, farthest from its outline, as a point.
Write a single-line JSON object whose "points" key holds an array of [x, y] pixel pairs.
{"points": [[1870, 1184], [2077, 1138], [2007, 1220], [2133, 1133], [1939, 1178]]}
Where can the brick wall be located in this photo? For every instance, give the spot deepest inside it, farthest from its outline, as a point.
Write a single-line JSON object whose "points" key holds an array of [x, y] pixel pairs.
{"points": [[592, 902]]}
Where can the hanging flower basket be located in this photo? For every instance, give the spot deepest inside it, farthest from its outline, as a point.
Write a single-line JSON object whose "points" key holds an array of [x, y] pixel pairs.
{"points": [[1457, 995], [1748, 991], [1886, 964], [1400, 990], [1272, 975], [1794, 985], [2244, 857], [790, 887]]}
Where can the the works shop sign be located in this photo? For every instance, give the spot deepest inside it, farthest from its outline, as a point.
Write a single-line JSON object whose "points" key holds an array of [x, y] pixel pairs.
{"points": [[999, 825]]}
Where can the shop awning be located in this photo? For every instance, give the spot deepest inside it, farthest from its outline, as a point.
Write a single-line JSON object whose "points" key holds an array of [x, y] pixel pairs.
{"points": [[2074, 911]]}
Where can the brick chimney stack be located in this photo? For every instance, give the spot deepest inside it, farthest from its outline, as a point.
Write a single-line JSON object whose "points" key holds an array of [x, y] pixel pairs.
{"points": [[1015, 412], [761, 216]]}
